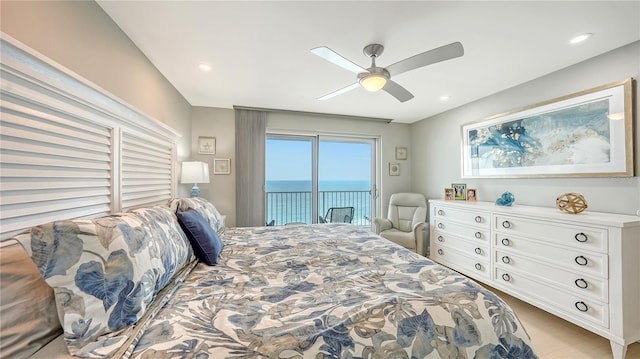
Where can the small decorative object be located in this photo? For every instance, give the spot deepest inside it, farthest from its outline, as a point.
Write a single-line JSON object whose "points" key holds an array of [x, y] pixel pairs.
{"points": [[460, 190], [221, 166], [394, 169], [401, 153], [506, 199], [571, 203], [472, 194], [207, 145], [448, 194]]}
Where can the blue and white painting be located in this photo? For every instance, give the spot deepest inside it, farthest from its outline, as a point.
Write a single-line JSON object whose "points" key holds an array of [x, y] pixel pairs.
{"points": [[579, 135], [576, 135]]}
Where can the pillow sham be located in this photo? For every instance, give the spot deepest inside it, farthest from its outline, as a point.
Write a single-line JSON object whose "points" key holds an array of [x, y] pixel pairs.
{"points": [[202, 206], [27, 305], [205, 241], [105, 272]]}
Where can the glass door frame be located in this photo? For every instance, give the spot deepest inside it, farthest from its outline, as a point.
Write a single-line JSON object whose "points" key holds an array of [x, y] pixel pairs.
{"points": [[315, 139]]}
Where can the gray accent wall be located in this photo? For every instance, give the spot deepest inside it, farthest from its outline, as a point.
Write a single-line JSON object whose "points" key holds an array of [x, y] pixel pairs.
{"points": [[81, 37], [436, 141]]}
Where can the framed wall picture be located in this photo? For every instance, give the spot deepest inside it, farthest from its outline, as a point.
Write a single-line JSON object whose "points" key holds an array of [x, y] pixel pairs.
{"points": [[221, 166], [586, 134], [206, 145], [472, 194], [460, 191], [394, 169], [401, 153]]}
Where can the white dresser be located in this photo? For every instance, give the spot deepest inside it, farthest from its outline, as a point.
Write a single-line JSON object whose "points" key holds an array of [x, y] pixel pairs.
{"points": [[582, 267]]}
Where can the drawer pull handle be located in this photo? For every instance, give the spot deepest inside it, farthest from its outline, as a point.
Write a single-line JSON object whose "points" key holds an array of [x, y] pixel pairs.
{"points": [[440, 239], [478, 235], [506, 277], [440, 212], [581, 283], [581, 260], [506, 260], [478, 219], [581, 306], [478, 266], [506, 242], [478, 250], [440, 225], [581, 237], [506, 224], [440, 252]]}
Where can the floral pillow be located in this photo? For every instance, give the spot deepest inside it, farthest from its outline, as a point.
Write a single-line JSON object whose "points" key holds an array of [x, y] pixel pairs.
{"points": [[202, 206], [105, 272]]}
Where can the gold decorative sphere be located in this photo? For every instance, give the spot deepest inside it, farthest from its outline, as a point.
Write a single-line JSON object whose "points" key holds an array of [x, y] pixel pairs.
{"points": [[571, 203]]}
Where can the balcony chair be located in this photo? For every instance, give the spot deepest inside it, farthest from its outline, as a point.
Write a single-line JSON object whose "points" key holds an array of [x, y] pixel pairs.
{"points": [[338, 215], [405, 221]]}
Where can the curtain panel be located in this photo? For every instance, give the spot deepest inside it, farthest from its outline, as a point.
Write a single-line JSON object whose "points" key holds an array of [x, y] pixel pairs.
{"points": [[250, 167]]}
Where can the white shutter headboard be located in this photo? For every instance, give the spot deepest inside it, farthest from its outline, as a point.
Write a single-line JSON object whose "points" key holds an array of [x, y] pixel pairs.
{"points": [[69, 149]]}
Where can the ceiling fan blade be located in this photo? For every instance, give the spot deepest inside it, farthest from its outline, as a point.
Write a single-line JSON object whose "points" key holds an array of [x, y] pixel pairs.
{"points": [[397, 91], [433, 56], [333, 57], [338, 92]]}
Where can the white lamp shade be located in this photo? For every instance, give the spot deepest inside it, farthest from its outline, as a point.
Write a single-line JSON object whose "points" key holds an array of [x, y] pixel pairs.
{"points": [[194, 172]]}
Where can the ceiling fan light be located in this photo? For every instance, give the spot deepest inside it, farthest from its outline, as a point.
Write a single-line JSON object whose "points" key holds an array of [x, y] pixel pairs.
{"points": [[373, 82]]}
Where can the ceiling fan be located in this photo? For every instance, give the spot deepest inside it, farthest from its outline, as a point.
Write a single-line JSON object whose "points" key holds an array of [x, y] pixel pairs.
{"points": [[379, 78]]}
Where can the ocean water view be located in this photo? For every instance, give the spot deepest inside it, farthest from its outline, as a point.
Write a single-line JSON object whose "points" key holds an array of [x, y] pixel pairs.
{"points": [[291, 201]]}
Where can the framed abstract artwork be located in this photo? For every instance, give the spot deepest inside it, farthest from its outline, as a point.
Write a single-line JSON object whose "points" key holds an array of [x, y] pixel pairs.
{"points": [[587, 134]]}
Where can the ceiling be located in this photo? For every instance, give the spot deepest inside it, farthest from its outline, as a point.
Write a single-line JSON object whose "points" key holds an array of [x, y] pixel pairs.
{"points": [[260, 51]]}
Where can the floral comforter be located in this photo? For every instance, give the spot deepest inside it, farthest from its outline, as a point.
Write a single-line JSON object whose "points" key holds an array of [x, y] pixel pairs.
{"points": [[329, 291]]}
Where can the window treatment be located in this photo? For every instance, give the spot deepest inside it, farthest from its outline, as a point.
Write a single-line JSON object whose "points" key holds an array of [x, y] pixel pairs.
{"points": [[250, 167]]}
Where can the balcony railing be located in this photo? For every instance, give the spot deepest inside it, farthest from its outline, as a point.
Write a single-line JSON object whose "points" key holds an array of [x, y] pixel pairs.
{"points": [[295, 207]]}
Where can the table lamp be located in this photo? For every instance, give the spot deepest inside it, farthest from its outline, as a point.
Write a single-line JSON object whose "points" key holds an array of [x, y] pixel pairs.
{"points": [[195, 172]]}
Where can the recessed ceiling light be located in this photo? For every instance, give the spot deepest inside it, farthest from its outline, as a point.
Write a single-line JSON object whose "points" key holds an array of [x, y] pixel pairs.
{"points": [[444, 98], [580, 38], [204, 67]]}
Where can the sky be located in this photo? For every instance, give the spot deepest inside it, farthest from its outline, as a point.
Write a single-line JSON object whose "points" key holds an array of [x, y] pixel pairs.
{"points": [[291, 160]]}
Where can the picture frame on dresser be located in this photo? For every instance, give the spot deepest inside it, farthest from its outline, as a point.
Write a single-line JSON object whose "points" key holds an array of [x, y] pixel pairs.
{"points": [[585, 134]]}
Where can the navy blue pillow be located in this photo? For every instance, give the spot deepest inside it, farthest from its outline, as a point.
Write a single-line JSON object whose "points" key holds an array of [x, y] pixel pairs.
{"points": [[204, 240]]}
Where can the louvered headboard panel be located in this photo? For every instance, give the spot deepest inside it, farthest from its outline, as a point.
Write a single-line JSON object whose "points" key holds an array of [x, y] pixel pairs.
{"points": [[70, 150]]}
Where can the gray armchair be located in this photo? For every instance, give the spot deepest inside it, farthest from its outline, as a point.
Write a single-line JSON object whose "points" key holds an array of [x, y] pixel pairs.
{"points": [[405, 221]]}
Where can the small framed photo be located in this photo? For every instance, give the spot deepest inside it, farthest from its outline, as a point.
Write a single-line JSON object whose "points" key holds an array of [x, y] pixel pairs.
{"points": [[394, 169], [448, 194], [206, 145], [460, 191], [221, 166], [472, 194], [401, 153]]}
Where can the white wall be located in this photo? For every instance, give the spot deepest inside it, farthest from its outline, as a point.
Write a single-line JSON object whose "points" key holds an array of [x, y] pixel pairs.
{"points": [[390, 134], [436, 141]]}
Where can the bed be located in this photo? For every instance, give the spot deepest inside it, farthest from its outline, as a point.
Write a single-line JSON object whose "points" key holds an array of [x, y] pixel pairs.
{"points": [[312, 291], [110, 265]]}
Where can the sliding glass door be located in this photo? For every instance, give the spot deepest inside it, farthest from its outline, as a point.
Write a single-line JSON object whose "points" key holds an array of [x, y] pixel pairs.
{"points": [[313, 179]]}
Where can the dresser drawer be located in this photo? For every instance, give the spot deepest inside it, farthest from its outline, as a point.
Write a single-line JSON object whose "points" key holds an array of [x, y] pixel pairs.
{"points": [[578, 307], [472, 218], [478, 233], [475, 249], [594, 239], [457, 261], [581, 285], [576, 260]]}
